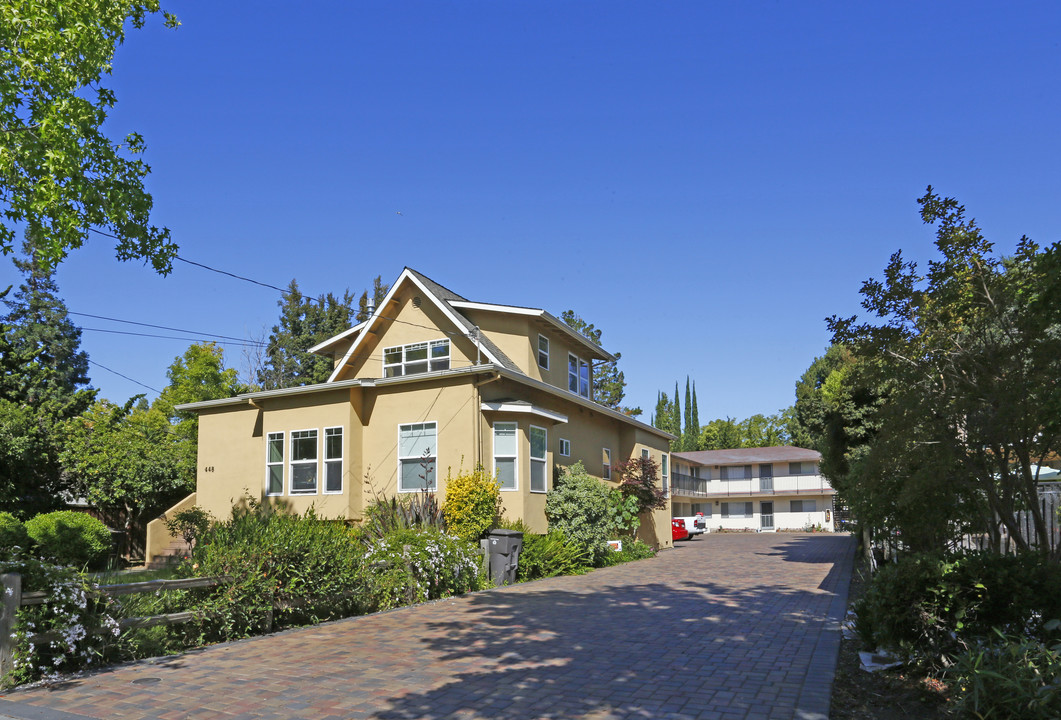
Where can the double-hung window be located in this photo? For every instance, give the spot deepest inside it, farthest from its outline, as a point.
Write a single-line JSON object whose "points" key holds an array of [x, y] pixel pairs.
{"points": [[506, 461], [303, 462], [274, 464], [539, 441], [606, 472], [333, 460], [417, 454], [416, 358], [543, 352], [578, 376], [663, 471]]}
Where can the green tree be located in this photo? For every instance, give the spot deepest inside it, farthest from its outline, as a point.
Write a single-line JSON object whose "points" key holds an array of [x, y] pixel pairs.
{"points": [[60, 175], [304, 322], [676, 419], [379, 291], [126, 459], [720, 434], [965, 360], [663, 417], [43, 383], [609, 383]]}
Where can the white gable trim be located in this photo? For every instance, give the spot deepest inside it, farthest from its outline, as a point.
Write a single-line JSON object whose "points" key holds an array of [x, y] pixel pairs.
{"points": [[469, 305], [336, 338], [377, 316]]}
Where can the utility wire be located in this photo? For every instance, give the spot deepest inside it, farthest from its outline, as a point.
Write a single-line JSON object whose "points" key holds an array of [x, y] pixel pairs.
{"points": [[164, 327], [170, 337], [104, 367]]}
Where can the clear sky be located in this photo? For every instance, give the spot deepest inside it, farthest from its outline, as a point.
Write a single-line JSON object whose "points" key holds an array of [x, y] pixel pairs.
{"points": [[705, 181]]}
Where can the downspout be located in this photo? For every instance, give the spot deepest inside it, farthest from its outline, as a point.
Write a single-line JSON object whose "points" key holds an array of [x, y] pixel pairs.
{"points": [[477, 398]]}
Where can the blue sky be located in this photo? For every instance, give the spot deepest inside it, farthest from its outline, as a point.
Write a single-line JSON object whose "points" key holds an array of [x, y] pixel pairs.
{"points": [[703, 181]]}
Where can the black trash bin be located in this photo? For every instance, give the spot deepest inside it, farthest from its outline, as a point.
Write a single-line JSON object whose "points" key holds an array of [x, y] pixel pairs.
{"points": [[503, 548]]}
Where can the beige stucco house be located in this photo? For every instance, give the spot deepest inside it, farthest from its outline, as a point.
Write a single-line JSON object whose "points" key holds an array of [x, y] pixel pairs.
{"points": [[429, 384], [762, 489]]}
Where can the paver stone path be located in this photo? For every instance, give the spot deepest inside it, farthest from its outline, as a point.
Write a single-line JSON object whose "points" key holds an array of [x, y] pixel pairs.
{"points": [[725, 626]]}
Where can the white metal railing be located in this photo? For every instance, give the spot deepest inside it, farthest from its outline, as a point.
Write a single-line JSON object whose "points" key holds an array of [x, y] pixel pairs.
{"points": [[688, 486]]}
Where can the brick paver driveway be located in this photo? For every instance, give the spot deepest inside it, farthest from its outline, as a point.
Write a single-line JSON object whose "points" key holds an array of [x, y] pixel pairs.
{"points": [[727, 626]]}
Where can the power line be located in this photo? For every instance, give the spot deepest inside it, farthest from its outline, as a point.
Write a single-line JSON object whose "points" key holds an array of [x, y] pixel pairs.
{"points": [[164, 327], [170, 337], [104, 367]]}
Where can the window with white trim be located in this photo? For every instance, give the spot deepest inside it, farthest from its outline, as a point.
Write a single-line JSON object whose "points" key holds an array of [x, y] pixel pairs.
{"points": [[803, 506], [543, 352], [303, 462], [606, 472], [416, 358], [663, 468], [274, 463], [645, 453], [506, 441], [577, 375], [539, 443], [565, 448], [417, 455], [333, 460]]}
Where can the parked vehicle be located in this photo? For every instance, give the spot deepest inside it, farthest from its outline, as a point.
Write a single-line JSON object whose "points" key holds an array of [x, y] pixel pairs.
{"points": [[677, 529], [695, 524]]}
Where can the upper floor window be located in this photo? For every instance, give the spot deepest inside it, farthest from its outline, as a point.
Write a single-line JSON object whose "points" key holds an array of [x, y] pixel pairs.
{"points": [[664, 462], [800, 468], [565, 448], [578, 376], [736, 472], [416, 358], [543, 352]]}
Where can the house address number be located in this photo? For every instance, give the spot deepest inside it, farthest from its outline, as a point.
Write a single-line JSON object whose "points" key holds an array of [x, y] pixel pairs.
{"points": [[208, 468]]}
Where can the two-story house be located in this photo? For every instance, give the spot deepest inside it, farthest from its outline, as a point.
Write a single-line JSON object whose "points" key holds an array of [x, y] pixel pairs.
{"points": [[429, 384], [764, 489]]}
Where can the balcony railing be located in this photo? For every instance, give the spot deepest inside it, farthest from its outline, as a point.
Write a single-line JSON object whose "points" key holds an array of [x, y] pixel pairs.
{"points": [[688, 486]]}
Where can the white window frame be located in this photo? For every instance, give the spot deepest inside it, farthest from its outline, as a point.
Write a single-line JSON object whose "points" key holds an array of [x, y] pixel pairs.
{"points": [[585, 382], [542, 461], [331, 461], [545, 365], [664, 462], [572, 374], [514, 456], [565, 448], [269, 437], [315, 462], [432, 486], [430, 361], [645, 453], [606, 471]]}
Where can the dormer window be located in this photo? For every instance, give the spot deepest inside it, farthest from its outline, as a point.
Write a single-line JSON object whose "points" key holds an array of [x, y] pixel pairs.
{"points": [[416, 358], [578, 376]]}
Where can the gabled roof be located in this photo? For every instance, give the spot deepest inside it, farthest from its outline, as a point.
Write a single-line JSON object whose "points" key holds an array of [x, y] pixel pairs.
{"points": [[592, 348], [742, 456], [320, 348]]}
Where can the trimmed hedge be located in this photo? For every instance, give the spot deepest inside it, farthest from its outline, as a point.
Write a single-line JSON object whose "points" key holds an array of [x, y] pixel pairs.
{"points": [[71, 538]]}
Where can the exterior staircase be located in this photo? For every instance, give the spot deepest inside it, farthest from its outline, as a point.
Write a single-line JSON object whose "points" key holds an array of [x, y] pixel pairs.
{"points": [[170, 555]]}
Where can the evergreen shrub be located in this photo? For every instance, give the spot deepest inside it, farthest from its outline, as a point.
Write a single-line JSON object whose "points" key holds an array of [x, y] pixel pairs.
{"points": [[71, 538], [12, 535], [1009, 678], [580, 506]]}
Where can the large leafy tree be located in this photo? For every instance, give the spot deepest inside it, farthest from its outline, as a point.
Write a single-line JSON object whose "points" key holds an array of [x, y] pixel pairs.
{"points": [[60, 175], [127, 459], [965, 360], [43, 383], [609, 383]]}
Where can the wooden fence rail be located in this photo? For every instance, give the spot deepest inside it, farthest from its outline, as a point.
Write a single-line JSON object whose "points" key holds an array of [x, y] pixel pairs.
{"points": [[12, 598]]}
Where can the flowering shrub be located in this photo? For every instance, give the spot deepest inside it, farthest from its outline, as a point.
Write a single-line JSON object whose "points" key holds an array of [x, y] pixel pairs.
{"points": [[473, 503], [286, 569], [414, 565], [67, 633]]}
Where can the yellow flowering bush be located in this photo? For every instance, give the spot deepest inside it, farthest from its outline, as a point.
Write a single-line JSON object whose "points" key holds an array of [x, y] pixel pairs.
{"points": [[473, 503]]}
